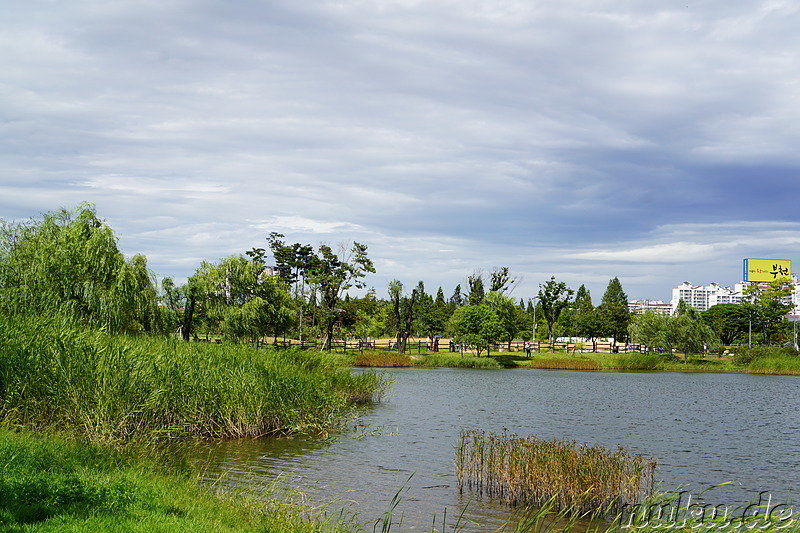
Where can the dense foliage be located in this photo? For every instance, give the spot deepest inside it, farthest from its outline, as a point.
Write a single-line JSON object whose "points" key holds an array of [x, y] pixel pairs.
{"points": [[70, 264]]}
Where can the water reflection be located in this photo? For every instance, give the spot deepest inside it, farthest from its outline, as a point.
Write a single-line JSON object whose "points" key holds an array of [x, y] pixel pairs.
{"points": [[703, 428]]}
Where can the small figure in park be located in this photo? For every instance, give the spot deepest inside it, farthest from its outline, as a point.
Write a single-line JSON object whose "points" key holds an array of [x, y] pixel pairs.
{"points": [[527, 348]]}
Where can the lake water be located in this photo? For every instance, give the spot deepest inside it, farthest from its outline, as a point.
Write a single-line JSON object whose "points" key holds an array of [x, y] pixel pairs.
{"points": [[704, 429]]}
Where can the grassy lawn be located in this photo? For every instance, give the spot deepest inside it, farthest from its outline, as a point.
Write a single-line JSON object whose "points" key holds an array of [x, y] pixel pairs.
{"points": [[51, 483]]}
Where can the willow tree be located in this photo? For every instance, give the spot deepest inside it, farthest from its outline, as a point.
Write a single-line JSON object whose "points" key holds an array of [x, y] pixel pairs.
{"points": [[242, 300], [69, 263]]}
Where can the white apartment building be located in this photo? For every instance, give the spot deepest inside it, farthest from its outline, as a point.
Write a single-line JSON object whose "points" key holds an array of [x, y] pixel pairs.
{"points": [[703, 298], [642, 306]]}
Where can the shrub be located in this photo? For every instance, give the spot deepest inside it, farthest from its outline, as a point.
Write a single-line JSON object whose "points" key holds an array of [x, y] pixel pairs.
{"points": [[747, 354]]}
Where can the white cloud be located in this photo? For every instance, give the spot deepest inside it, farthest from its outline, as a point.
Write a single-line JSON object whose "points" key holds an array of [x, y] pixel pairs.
{"points": [[557, 138]]}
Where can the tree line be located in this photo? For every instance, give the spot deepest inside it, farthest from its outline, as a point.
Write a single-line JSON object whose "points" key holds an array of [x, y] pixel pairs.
{"points": [[68, 262]]}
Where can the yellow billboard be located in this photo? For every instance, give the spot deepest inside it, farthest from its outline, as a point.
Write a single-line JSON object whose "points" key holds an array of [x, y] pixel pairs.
{"points": [[767, 270]]}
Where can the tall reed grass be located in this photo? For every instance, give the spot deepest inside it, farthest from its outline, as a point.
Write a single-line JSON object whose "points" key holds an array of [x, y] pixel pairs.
{"points": [[457, 361], [54, 374], [566, 475], [382, 360], [563, 363], [640, 361], [777, 365]]}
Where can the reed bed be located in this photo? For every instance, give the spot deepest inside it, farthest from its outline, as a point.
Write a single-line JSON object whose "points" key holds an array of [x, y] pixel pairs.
{"points": [[566, 475], [561, 363], [639, 361], [54, 374], [775, 365], [456, 361], [382, 360]]}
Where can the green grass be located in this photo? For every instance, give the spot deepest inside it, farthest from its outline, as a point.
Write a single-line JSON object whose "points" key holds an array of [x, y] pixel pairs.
{"points": [[118, 388], [779, 365], [50, 484], [639, 361]]}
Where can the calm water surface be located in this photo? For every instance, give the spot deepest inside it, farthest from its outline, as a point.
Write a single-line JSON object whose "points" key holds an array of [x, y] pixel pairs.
{"points": [[704, 429]]}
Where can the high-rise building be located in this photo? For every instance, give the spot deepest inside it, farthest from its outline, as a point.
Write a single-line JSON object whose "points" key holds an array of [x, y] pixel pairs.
{"points": [[705, 297], [642, 306]]}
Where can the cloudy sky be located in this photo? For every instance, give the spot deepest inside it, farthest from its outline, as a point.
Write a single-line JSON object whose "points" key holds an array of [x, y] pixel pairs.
{"points": [[582, 139]]}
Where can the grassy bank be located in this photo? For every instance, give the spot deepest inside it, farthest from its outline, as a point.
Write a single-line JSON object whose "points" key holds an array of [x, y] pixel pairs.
{"points": [[775, 365], [85, 416], [50, 484], [760, 360], [387, 359], [118, 388]]}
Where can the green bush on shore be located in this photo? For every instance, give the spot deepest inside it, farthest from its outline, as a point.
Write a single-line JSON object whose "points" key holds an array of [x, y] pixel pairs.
{"points": [[747, 354]]}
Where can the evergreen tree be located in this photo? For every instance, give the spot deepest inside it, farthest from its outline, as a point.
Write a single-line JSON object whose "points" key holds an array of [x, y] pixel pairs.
{"points": [[457, 299], [614, 311], [476, 290]]}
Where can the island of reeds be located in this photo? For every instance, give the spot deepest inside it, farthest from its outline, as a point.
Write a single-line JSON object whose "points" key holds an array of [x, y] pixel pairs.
{"points": [[528, 471]]}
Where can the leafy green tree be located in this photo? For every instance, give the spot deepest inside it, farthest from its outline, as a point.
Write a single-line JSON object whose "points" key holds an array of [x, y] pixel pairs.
{"points": [[440, 313], [587, 321], [614, 311], [68, 263], [729, 322], [652, 330], [365, 317], [554, 296], [181, 303], [457, 299], [402, 313], [767, 308], [475, 325], [500, 280], [241, 300], [293, 263], [258, 317], [332, 275], [691, 334], [507, 313], [476, 289], [424, 317]]}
